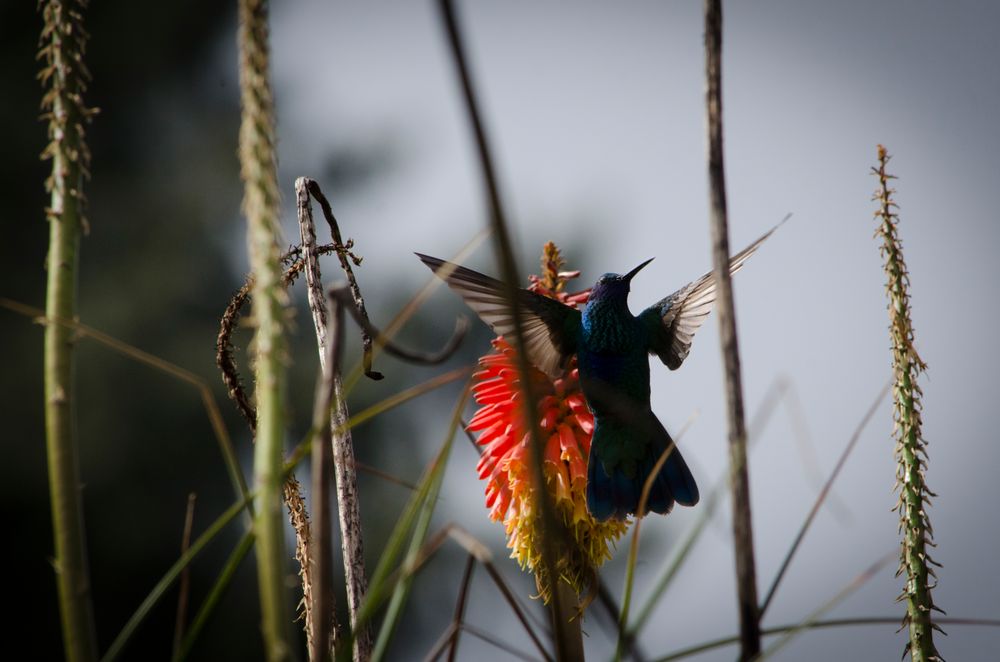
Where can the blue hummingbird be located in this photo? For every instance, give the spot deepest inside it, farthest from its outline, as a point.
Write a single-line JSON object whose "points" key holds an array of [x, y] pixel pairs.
{"points": [[612, 347]]}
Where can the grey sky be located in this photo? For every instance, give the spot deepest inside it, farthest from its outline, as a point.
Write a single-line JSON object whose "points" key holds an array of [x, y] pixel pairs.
{"points": [[595, 112]]}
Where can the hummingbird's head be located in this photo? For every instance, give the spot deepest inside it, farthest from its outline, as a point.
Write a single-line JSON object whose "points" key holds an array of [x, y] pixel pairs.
{"points": [[615, 285]]}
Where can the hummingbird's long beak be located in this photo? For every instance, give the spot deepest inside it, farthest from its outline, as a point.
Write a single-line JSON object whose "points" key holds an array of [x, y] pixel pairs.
{"points": [[631, 274]]}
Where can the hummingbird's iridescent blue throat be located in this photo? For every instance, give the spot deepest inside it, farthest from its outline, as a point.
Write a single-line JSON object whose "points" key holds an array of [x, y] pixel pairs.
{"points": [[612, 347]]}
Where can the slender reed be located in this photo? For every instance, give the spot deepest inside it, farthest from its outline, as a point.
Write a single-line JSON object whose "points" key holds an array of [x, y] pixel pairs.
{"points": [[260, 204], [911, 451], [184, 593], [425, 502], [64, 79], [568, 636], [742, 528], [215, 593], [172, 575]]}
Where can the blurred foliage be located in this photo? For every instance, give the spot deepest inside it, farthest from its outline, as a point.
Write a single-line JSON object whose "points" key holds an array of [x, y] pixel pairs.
{"points": [[160, 263], [156, 272], [164, 190]]}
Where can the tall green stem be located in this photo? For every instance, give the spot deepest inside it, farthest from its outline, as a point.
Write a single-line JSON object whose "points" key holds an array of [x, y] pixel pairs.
{"points": [[64, 77], [911, 452], [261, 206]]}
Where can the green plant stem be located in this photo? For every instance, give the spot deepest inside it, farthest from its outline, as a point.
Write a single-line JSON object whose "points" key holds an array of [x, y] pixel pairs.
{"points": [[427, 500], [218, 589], [64, 79], [63, 464], [162, 586], [911, 452], [260, 204]]}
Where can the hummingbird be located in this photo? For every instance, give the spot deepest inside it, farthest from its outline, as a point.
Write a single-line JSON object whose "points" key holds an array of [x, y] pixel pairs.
{"points": [[612, 347]]}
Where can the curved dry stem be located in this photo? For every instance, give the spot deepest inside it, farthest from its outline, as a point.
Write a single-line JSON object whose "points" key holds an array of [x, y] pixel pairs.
{"points": [[343, 294], [346, 258], [224, 357]]}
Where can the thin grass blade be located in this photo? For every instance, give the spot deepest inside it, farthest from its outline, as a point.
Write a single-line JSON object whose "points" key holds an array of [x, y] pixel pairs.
{"points": [[215, 594], [428, 500], [168, 579]]}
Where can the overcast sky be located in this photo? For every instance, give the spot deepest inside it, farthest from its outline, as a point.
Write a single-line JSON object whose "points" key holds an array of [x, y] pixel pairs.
{"points": [[596, 115]]}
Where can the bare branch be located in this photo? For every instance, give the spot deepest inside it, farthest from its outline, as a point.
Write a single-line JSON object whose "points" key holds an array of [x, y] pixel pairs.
{"points": [[346, 257], [423, 358], [351, 540], [322, 627]]}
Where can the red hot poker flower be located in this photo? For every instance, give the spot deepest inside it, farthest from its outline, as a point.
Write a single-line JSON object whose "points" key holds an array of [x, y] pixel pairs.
{"points": [[567, 427]]}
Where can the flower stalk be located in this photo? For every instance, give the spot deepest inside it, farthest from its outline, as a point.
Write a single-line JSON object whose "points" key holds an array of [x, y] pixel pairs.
{"points": [[911, 450], [746, 572], [261, 205], [569, 643], [64, 78]]}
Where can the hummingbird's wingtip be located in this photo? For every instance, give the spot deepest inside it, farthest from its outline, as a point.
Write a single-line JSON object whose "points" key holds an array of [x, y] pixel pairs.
{"points": [[432, 263]]}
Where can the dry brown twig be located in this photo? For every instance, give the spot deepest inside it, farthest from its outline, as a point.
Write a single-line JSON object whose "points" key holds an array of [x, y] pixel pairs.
{"points": [[296, 264], [351, 538], [339, 298], [184, 591]]}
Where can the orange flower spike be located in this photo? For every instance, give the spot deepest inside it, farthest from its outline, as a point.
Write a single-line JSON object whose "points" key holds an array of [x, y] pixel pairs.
{"points": [[567, 423]]}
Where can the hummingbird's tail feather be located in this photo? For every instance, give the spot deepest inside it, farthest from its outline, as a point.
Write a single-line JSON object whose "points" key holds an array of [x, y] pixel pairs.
{"points": [[622, 456]]}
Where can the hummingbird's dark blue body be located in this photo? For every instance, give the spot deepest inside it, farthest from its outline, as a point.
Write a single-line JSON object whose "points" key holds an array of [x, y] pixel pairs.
{"points": [[613, 360], [612, 347]]}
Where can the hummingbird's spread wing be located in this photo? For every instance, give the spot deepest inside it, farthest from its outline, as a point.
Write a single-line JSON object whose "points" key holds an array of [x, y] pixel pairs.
{"points": [[673, 321], [548, 326]]}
